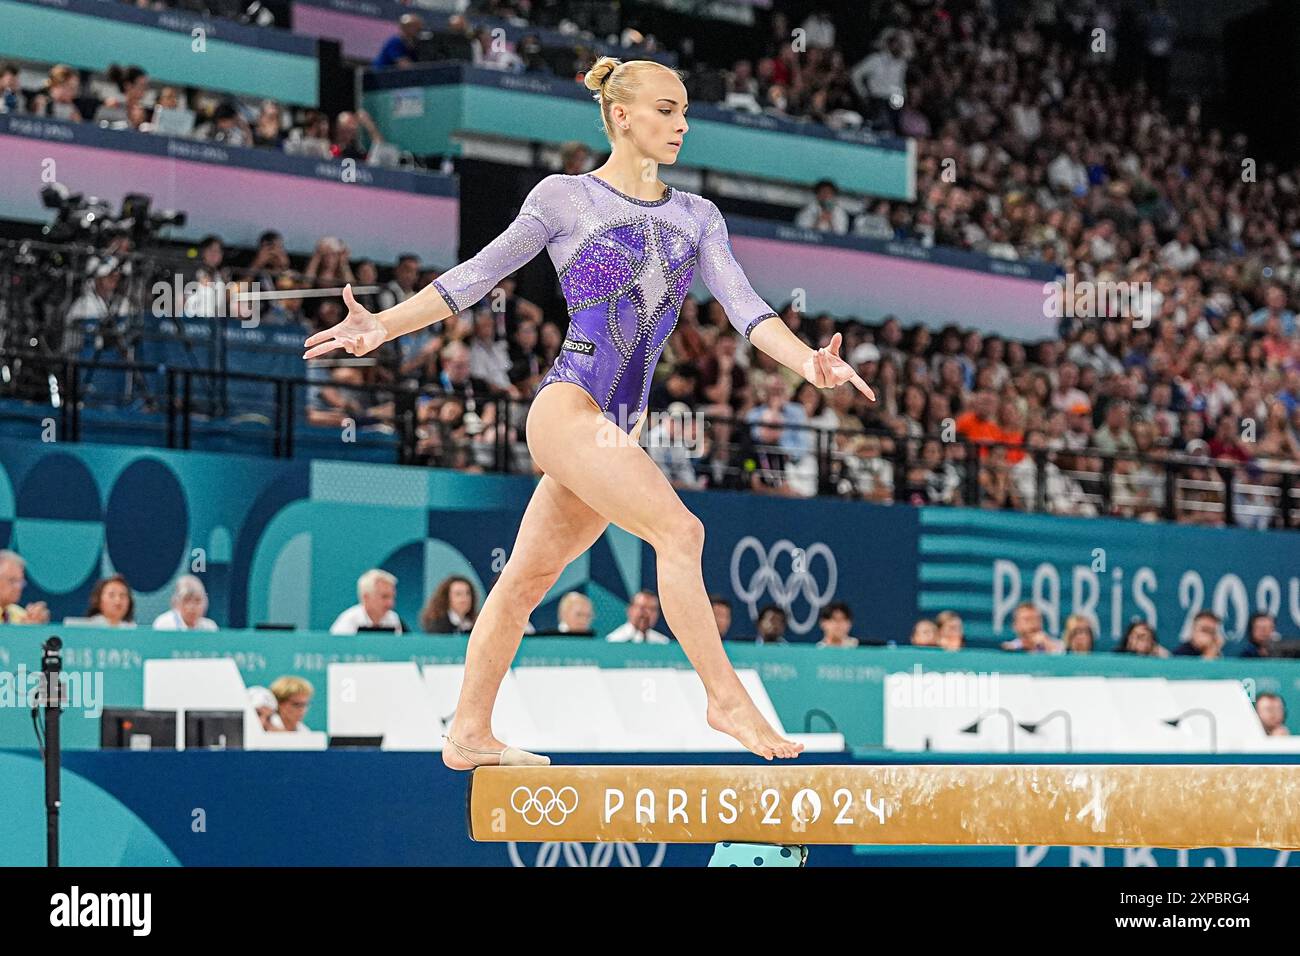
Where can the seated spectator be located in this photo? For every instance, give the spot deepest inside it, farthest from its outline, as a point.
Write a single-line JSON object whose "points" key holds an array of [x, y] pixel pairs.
{"points": [[1139, 638], [376, 595], [452, 607], [346, 142], [924, 634], [13, 578], [401, 49], [189, 604], [1079, 636], [1027, 625], [642, 616], [269, 129], [111, 603], [768, 465], [1272, 714], [673, 444], [824, 213], [292, 696], [58, 98], [836, 620], [264, 704], [12, 98], [721, 613], [132, 83], [1205, 640], [770, 626], [227, 126], [1261, 635], [977, 423], [950, 633], [575, 614]]}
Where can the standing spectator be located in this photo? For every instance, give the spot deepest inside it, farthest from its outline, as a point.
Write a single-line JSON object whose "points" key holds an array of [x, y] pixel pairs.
{"points": [[642, 616], [881, 80], [376, 596]]}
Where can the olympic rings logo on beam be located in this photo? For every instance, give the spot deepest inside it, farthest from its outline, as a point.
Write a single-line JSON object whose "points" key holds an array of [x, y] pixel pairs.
{"points": [[546, 804], [766, 579]]}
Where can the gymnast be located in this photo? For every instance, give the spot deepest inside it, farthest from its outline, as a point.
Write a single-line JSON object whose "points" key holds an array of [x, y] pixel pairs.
{"points": [[625, 247]]}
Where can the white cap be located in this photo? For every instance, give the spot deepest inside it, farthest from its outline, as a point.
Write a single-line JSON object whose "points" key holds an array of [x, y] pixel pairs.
{"points": [[261, 697], [866, 352]]}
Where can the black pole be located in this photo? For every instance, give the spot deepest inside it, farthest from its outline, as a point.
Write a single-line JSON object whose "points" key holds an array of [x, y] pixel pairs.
{"points": [[52, 701]]}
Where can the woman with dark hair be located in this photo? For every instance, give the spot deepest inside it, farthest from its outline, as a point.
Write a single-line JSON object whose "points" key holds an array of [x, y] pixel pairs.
{"points": [[111, 603], [1140, 638], [451, 609]]}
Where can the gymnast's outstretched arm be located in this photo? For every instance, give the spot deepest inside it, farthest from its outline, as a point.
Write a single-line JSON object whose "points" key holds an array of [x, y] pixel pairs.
{"points": [[540, 219], [751, 316]]}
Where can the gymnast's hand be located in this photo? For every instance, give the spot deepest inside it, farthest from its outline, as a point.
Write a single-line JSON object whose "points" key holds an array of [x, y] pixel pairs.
{"points": [[359, 333], [825, 369]]}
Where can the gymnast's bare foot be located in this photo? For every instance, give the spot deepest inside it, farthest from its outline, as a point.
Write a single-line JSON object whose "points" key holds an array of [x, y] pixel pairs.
{"points": [[743, 721]]}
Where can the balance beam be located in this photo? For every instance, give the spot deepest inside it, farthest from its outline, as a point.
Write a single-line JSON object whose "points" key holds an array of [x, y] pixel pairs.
{"points": [[1126, 805]]}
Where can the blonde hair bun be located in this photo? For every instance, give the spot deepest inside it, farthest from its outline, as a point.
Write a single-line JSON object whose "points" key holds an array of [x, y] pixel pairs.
{"points": [[599, 72]]}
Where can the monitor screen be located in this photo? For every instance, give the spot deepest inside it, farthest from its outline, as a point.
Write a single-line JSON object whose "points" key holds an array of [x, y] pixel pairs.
{"points": [[137, 729]]}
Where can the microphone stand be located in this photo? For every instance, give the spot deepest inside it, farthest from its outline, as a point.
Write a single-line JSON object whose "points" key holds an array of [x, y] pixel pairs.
{"points": [[50, 696]]}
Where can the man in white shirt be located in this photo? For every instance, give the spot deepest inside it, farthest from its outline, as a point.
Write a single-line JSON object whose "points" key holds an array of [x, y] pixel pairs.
{"points": [[377, 592], [189, 604], [642, 616], [881, 79], [575, 613]]}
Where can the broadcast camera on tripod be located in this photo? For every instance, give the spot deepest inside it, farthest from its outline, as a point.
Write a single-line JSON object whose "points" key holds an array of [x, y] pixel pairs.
{"points": [[110, 284]]}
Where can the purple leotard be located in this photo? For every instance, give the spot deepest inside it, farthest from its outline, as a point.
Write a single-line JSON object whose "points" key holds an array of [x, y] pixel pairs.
{"points": [[624, 265]]}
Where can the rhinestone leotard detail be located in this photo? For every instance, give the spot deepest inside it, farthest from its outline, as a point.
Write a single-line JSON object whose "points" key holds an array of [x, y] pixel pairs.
{"points": [[625, 265]]}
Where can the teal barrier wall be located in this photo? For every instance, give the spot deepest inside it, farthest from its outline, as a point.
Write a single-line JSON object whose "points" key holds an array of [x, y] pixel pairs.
{"points": [[225, 56], [423, 109], [844, 686]]}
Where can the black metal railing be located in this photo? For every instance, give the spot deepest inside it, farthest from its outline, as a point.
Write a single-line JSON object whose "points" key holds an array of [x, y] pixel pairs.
{"points": [[424, 425]]}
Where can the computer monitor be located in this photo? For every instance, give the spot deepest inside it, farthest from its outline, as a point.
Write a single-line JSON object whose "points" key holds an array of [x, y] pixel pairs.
{"points": [[214, 730], [122, 729], [272, 626]]}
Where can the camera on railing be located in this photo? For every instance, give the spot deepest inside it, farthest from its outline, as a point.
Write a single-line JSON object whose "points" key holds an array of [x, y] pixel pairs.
{"points": [[90, 219]]}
